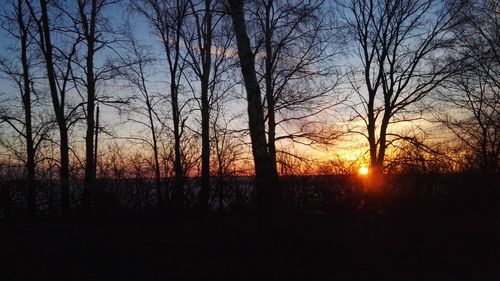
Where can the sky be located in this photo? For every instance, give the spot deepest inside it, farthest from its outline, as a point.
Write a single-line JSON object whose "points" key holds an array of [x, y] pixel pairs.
{"points": [[349, 147]]}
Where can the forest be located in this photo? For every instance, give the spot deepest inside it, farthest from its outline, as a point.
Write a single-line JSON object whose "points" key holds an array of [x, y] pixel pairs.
{"points": [[237, 139]]}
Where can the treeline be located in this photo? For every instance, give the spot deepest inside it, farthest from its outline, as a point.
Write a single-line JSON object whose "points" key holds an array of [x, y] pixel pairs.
{"points": [[174, 78]]}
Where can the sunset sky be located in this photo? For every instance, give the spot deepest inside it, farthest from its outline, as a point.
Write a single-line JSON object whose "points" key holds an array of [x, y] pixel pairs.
{"points": [[340, 120]]}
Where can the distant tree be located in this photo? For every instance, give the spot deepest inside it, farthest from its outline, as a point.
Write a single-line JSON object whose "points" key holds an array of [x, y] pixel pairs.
{"points": [[402, 49], [113, 164]]}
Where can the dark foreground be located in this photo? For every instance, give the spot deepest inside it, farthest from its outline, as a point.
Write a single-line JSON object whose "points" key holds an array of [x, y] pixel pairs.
{"points": [[426, 244]]}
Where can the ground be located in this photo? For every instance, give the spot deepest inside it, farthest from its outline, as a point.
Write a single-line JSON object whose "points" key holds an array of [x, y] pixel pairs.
{"points": [[424, 244]]}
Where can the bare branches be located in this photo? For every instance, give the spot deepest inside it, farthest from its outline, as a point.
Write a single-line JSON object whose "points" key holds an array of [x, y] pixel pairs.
{"points": [[398, 44], [473, 94]]}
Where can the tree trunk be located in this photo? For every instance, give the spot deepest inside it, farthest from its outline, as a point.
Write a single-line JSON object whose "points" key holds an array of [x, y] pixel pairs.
{"points": [[372, 141], [58, 106], [30, 161], [179, 174], [205, 149], [155, 152], [89, 151], [64, 171], [271, 119], [265, 178], [96, 142], [203, 199], [220, 188], [26, 98], [89, 28], [270, 97], [383, 137]]}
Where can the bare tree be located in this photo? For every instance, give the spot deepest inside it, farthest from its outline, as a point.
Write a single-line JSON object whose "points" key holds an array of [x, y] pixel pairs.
{"points": [[166, 19], [199, 45], [478, 32], [294, 42], [90, 27], [473, 95], [207, 39], [138, 76], [398, 43], [475, 101], [227, 145], [16, 22], [58, 70], [265, 169]]}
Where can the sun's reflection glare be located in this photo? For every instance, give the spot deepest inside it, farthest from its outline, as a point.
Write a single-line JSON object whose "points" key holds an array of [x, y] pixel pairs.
{"points": [[363, 171]]}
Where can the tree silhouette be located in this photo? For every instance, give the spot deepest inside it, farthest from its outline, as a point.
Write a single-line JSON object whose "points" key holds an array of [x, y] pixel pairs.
{"points": [[58, 68], [397, 43], [266, 176], [167, 19], [16, 21], [475, 91]]}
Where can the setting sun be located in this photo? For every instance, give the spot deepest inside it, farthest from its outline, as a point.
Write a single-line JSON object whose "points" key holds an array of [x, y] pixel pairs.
{"points": [[363, 171]]}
